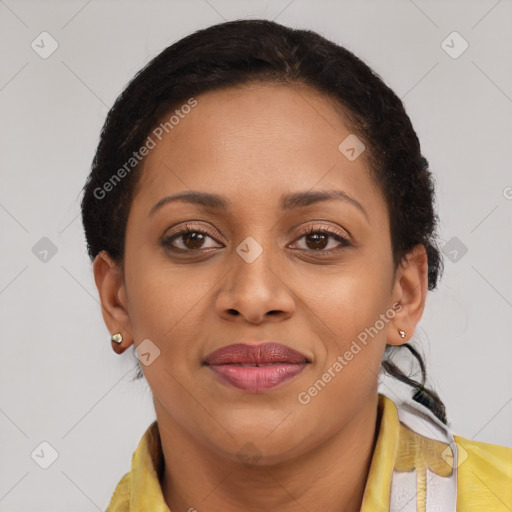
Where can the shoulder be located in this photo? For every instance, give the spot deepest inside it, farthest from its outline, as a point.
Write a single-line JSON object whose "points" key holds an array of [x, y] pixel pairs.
{"points": [[120, 501], [484, 476]]}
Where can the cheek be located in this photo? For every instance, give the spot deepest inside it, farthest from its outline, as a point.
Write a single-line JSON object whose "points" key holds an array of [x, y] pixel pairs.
{"points": [[347, 374], [351, 298], [157, 296], [353, 318], [165, 301]]}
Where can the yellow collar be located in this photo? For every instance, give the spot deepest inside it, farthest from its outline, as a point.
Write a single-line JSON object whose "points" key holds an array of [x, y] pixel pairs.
{"points": [[140, 488], [398, 450]]}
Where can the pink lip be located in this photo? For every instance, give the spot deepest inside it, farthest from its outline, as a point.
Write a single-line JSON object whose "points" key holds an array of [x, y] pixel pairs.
{"points": [[256, 368]]}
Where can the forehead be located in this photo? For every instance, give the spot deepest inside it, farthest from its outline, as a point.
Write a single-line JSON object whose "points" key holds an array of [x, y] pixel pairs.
{"points": [[253, 142]]}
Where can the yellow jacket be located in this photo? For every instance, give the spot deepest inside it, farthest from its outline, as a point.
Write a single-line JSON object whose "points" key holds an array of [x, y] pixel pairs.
{"points": [[483, 472]]}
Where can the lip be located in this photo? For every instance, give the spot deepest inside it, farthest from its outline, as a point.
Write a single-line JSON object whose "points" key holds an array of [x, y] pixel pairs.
{"points": [[256, 368]]}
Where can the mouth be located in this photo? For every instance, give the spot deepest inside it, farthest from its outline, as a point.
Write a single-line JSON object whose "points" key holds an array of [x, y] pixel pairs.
{"points": [[256, 368]]}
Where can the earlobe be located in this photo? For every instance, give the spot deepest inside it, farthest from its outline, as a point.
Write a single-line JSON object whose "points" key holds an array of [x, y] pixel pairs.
{"points": [[410, 292], [108, 276]]}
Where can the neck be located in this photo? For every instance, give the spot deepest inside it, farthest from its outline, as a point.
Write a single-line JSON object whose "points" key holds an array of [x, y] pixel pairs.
{"points": [[330, 477]]}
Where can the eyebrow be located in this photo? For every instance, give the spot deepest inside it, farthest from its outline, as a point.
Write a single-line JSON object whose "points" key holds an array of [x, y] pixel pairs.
{"points": [[288, 201]]}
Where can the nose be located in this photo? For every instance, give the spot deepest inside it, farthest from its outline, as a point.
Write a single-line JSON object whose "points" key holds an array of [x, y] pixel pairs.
{"points": [[255, 292]]}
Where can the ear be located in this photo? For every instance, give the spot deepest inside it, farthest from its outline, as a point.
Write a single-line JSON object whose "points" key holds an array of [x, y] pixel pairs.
{"points": [[108, 276], [410, 290]]}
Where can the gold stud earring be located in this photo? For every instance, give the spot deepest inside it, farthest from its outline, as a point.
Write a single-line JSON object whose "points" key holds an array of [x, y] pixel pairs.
{"points": [[117, 338], [116, 341], [402, 333]]}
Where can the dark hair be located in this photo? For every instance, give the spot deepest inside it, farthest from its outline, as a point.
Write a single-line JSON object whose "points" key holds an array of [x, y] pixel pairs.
{"points": [[243, 51]]}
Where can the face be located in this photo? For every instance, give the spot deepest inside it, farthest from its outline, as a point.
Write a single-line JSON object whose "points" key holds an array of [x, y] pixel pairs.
{"points": [[276, 263]]}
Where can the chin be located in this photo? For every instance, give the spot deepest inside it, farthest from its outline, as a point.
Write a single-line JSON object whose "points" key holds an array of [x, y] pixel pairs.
{"points": [[264, 445], [260, 454]]}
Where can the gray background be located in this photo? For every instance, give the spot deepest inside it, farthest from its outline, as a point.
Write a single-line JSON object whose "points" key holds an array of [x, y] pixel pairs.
{"points": [[61, 383]]}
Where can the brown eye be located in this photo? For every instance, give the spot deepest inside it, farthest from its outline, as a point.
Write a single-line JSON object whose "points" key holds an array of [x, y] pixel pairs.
{"points": [[189, 239], [317, 239], [193, 239]]}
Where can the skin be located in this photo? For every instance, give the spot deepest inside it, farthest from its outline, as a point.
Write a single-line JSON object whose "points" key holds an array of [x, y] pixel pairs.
{"points": [[252, 144]]}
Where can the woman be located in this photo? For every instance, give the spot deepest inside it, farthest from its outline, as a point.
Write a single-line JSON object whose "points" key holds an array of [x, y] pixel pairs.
{"points": [[262, 229]]}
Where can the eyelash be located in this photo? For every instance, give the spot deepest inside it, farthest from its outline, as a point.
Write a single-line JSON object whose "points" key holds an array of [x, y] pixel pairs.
{"points": [[167, 241]]}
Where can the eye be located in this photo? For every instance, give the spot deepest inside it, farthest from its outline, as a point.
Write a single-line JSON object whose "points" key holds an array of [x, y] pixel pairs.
{"points": [[317, 239], [190, 238]]}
